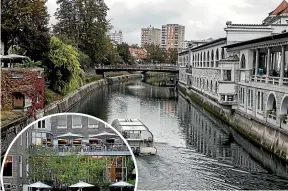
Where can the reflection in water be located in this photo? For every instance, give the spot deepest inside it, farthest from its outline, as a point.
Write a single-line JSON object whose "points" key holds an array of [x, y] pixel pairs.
{"points": [[195, 150]]}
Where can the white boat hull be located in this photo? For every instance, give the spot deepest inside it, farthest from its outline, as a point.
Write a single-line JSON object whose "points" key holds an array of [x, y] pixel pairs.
{"points": [[148, 150]]}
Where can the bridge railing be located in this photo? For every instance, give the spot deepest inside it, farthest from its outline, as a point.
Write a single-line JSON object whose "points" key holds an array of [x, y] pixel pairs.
{"points": [[154, 66]]}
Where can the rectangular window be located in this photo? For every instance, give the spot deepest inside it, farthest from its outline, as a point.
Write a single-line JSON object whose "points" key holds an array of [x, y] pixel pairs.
{"points": [[76, 121], [227, 75], [21, 139], [92, 123], [20, 166], [8, 167], [260, 102], [43, 124], [62, 121]]}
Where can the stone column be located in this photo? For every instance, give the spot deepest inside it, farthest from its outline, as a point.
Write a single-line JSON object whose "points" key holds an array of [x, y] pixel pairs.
{"points": [[268, 64], [282, 65], [257, 64]]}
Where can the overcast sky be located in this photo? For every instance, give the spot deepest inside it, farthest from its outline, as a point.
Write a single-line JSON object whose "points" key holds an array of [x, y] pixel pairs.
{"points": [[202, 18]]}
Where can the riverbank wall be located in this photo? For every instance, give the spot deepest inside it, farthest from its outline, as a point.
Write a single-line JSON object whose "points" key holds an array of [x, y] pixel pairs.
{"points": [[272, 139], [10, 131], [70, 100]]}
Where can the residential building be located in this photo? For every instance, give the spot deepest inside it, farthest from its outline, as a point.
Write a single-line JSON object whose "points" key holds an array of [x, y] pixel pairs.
{"points": [[52, 133], [116, 36], [172, 36], [139, 54], [150, 35]]}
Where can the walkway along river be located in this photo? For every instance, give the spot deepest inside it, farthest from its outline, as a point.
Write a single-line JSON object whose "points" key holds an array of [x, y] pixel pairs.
{"points": [[195, 150]]}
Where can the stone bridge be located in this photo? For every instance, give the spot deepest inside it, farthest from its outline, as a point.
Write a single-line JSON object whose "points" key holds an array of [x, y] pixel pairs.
{"points": [[141, 68]]}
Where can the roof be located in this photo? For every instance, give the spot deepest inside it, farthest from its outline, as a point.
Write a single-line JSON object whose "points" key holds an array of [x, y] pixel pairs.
{"points": [[267, 38], [139, 53], [283, 7], [209, 43]]}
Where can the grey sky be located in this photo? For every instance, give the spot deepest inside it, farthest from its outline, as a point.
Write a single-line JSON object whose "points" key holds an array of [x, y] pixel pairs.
{"points": [[202, 18]]}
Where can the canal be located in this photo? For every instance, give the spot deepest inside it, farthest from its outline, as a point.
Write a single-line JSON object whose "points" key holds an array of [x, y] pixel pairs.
{"points": [[196, 151]]}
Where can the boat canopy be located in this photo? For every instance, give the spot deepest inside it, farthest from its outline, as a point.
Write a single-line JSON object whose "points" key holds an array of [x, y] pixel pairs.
{"points": [[134, 128]]}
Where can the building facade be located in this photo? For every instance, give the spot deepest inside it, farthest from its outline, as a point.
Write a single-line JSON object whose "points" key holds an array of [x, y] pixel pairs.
{"points": [[51, 133], [116, 36], [22, 89], [246, 71], [172, 36], [150, 35]]}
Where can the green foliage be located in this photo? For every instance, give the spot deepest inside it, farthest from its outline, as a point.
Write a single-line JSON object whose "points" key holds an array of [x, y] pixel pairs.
{"points": [[47, 166], [25, 24], [130, 167], [173, 55], [84, 22], [132, 182], [85, 60], [155, 53], [124, 53], [64, 67]]}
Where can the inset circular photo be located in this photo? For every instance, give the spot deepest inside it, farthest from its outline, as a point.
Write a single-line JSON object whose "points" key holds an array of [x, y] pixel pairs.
{"points": [[69, 151]]}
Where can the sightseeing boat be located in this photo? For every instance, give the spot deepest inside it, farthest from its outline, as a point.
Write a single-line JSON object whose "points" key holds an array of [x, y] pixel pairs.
{"points": [[137, 135]]}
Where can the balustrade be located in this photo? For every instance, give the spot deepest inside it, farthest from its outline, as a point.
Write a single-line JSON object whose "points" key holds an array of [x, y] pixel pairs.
{"points": [[271, 80], [83, 149]]}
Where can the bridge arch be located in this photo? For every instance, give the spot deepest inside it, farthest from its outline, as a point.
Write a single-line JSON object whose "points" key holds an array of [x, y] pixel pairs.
{"points": [[271, 103], [284, 105]]}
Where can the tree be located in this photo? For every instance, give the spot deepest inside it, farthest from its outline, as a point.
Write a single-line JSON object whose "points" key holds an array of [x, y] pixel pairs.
{"points": [[63, 67], [46, 165], [25, 24], [173, 55], [85, 23], [124, 53], [155, 53]]}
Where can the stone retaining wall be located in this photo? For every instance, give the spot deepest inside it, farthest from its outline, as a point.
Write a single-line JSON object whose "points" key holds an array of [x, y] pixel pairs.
{"points": [[271, 138]]}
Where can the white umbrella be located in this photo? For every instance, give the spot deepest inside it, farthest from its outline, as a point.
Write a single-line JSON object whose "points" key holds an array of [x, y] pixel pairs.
{"points": [[105, 135], [122, 184], [39, 185], [70, 136], [81, 185]]}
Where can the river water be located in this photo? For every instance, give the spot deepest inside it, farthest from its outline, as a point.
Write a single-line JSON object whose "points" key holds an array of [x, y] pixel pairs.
{"points": [[196, 151]]}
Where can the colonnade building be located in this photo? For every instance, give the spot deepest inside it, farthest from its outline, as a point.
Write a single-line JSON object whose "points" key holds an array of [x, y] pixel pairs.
{"points": [[247, 70]]}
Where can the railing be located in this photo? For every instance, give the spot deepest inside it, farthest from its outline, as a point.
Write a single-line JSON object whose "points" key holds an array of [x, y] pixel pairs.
{"points": [[271, 79], [83, 149], [155, 66]]}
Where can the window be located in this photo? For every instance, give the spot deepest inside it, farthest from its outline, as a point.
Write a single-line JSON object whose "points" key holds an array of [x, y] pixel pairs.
{"points": [[227, 75], [250, 98], [260, 96], [41, 138], [7, 186], [41, 124], [242, 96], [243, 62], [8, 167], [76, 121], [92, 123], [62, 121], [20, 166]]}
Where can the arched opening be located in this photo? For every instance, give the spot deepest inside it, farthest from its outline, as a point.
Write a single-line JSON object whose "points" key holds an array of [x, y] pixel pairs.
{"points": [[212, 58], [222, 54], [211, 87], [208, 59], [271, 104], [243, 61], [284, 106], [207, 85], [204, 64], [216, 87], [217, 57], [201, 64], [18, 100]]}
